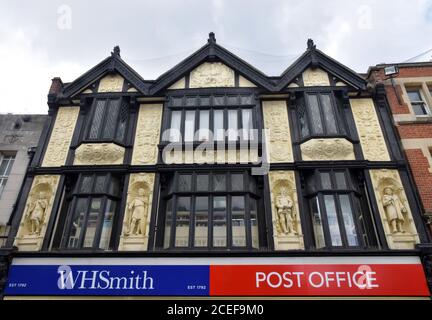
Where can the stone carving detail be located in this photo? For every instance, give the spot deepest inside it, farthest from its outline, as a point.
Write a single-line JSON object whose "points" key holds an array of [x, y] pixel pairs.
{"points": [[147, 134], [287, 231], [36, 213], [99, 154], [111, 83], [211, 74], [278, 136], [394, 209], [327, 149], [315, 77], [137, 212], [61, 136], [369, 130]]}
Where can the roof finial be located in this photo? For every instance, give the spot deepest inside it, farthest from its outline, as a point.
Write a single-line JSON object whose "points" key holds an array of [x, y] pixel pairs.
{"points": [[212, 38], [310, 44], [116, 51]]}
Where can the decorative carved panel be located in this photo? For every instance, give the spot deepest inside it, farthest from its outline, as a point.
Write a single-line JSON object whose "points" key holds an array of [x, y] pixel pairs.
{"points": [[36, 213], [61, 137], [315, 77], [111, 83], [147, 134], [278, 136], [394, 209], [136, 222], [369, 130], [327, 149], [211, 74], [99, 154], [287, 231]]}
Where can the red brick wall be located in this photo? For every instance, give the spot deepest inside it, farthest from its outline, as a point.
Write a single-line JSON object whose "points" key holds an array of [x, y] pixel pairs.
{"points": [[415, 131], [423, 178]]}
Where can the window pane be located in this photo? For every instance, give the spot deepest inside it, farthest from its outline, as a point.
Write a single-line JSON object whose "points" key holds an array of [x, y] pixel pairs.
{"points": [[114, 186], [348, 220], [232, 100], [168, 222], [97, 119], [6, 165], [111, 119], [246, 100], [333, 223], [176, 102], [2, 184], [314, 113], [190, 126], [99, 184], [219, 101], [201, 222], [340, 180], [329, 116], [122, 121], [202, 182], [191, 101], [219, 182], [107, 224], [175, 126], [232, 125], [304, 127], [205, 101], [247, 123], [77, 223], [182, 222], [419, 108], [95, 208], [238, 221], [414, 95], [317, 223], [218, 126], [237, 182], [204, 123], [219, 222], [86, 184], [184, 182], [325, 180], [254, 222]]}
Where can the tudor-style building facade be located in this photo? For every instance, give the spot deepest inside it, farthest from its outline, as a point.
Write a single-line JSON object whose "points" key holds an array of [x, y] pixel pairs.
{"points": [[216, 159]]}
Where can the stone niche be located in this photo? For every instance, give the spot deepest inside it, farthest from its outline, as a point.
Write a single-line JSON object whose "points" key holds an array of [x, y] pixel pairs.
{"points": [[277, 131], [394, 209], [36, 213], [99, 154], [287, 231], [136, 222], [61, 137], [327, 149]]}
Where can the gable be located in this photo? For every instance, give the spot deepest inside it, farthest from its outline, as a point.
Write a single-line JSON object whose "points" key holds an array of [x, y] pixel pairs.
{"points": [[112, 82]]}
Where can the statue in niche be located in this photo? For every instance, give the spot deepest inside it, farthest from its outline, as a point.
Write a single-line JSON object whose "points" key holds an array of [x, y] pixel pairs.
{"points": [[36, 213], [394, 210], [138, 214], [285, 212]]}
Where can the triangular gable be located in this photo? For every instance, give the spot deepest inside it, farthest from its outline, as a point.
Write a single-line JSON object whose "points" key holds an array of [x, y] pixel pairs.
{"points": [[314, 61], [210, 58], [110, 72]]}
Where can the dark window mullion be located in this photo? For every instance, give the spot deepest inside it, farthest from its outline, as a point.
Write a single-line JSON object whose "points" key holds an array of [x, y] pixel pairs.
{"points": [[248, 224], [355, 217], [228, 219], [210, 223], [191, 243], [182, 125], [341, 221], [84, 224], [68, 223], [99, 224], [173, 221]]}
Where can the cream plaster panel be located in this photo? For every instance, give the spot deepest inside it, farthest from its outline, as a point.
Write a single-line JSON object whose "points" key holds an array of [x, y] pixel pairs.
{"points": [[315, 77], [211, 74], [147, 134], [340, 84], [87, 91], [368, 127], [135, 230], [61, 137], [284, 204], [293, 85], [99, 154], [111, 83], [180, 84], [425, 145], [37, 213], [278, 136], [327, 149], [201, 156], [132, 90], [383, 179], [243, 82]]}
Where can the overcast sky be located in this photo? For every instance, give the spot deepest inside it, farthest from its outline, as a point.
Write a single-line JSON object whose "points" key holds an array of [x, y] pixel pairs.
{"points": [[43, 39]]}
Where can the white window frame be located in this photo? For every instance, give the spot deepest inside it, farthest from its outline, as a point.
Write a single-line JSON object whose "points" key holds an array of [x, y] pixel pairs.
{"points": [[4, 178]]}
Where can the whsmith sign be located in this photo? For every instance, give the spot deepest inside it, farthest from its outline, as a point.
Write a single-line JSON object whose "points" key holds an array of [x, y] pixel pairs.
{"points": [[335, 276]]}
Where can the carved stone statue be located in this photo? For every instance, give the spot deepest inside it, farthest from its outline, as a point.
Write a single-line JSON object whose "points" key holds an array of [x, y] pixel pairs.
{"points": [[36, 213], [394, 210], [138, 214], [285, 212]]}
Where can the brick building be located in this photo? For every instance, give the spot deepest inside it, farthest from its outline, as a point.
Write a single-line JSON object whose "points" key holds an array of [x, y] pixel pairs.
{"points": [[409, 93]]}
